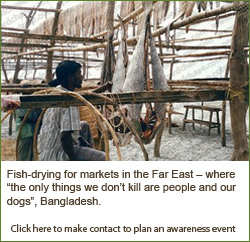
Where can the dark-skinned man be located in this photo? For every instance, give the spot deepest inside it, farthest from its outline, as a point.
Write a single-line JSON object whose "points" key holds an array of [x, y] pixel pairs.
{"points": [[63, 136]]}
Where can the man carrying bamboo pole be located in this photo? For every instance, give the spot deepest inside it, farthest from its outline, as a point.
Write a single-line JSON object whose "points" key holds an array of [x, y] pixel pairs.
{"points": [[63, 137]]}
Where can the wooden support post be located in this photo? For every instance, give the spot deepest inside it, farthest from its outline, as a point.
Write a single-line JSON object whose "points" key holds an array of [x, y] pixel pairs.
{"points": [[185, 117], [158, 142], [218, 121], [202, 111], [52, 42], [108, 67], [171, 71], [223, 114], [223, 122], [210, 122], [173, 50], [10, 123], [34, 74], [170, 107], [85, 69], [238, 78], [193, 117], [169, 123]]}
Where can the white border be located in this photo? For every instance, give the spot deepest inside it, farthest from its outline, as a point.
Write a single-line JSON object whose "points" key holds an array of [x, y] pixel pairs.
{"points": [[242, 168]]}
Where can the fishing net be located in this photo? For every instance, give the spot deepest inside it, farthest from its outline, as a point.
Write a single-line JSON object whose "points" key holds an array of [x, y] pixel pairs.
{"points": [[242, 8]]}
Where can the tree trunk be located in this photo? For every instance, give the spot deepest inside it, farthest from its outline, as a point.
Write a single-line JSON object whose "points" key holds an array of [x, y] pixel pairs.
{"points": [[239, 78]]}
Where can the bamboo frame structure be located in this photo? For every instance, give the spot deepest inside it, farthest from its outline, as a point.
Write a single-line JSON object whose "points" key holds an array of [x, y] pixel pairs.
{"points": [[51, 37], [29, 8], [160, 31], [127, 98]]}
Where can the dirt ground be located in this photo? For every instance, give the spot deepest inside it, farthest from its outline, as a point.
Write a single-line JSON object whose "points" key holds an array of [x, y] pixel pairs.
{"points": [[8, 149]]}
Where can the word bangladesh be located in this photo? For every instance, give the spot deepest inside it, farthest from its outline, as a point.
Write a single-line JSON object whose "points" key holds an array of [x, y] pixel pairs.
{"points": [[61, 202]]}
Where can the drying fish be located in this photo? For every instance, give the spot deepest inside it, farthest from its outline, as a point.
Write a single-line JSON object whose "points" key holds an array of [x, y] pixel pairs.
{"points": [[121, 62], [109, 62], [201, 5], [155, 117], [136, 75], [159, 79], [135, 80], [123, 133], [186, 10], [189, 11], [217, 17], [211, 4], [181, 13]]}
